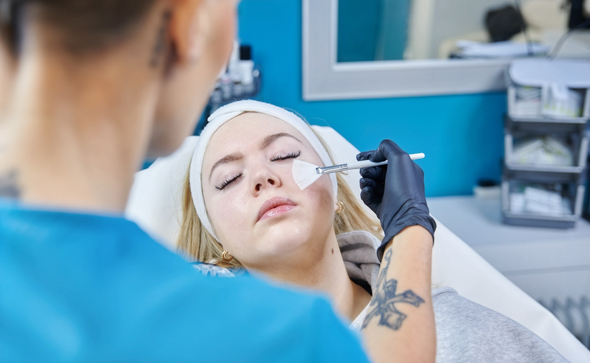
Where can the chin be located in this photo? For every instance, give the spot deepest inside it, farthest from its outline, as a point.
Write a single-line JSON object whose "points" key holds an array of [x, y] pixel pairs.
{"points": [[285, 238]]}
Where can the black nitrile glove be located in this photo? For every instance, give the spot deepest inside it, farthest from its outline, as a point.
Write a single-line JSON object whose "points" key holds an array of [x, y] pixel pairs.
{"points": [[395, 192]]}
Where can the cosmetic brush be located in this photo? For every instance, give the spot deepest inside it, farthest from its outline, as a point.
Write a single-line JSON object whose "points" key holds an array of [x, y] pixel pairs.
{"points": [[305, 174]]}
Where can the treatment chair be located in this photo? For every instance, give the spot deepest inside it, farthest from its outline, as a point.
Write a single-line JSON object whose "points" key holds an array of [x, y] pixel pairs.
{"points": [[155, 205]]}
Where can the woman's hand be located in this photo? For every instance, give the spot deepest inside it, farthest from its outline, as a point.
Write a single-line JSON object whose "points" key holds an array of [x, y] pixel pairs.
{"points": [[400, 322], [395, 192]]}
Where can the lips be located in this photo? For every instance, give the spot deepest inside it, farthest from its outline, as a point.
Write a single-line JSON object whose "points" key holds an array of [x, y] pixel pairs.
{"points": [[275, 206]]}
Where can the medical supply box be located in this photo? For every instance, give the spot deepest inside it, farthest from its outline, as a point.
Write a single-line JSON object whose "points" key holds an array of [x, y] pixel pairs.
{"points": [[545, 143]]}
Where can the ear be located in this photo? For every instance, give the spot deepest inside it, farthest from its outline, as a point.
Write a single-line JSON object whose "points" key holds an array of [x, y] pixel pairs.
{"points": [[8, 69], [188, 29]]}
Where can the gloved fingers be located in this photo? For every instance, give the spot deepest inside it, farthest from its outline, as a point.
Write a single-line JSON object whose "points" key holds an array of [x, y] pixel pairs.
{"points": [[371, 194], [387, 150], [365, 155], [368, 196], [419, 170], [376, 173], [377, 188], [395, 192]]}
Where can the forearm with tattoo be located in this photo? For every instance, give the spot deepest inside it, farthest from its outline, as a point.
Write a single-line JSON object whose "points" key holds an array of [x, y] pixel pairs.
{"points": [[385, 299]]}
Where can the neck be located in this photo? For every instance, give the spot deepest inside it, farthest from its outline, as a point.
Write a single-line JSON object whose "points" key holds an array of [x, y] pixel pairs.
{"points": [[326, 274], [7, 70], [78, 133]]}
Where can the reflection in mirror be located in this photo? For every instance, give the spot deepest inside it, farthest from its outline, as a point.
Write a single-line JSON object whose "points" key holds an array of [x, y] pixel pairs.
{"points": [[372, 29], [378, 30]]}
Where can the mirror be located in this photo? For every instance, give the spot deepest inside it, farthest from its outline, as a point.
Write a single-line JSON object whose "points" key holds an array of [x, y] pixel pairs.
{"points": [[428, 35], [381, 30]]}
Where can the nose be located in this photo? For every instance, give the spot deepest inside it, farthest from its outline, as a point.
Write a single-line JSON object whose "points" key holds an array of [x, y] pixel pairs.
{"points": [[263, 178]]}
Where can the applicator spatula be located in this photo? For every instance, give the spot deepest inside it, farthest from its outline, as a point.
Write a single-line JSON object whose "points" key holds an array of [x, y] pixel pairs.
{"points": [[305, 174]]}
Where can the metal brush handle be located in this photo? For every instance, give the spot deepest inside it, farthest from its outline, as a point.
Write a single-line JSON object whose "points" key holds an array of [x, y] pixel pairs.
{"points": [[359, 165]]}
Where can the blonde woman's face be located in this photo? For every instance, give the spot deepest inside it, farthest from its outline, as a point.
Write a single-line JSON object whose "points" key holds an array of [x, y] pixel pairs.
{"points": [[257, 210]]}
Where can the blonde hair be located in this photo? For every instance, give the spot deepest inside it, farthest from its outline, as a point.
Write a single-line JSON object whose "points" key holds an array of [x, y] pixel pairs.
{"points": [[197, 243]]}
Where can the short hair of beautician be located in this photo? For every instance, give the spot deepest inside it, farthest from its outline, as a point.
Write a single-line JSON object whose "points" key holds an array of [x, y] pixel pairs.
{"points": [[180, 46]]}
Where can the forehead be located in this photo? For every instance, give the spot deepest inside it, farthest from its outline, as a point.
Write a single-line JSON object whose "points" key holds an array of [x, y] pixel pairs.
{"points": [[246, 131], [253, 123]]}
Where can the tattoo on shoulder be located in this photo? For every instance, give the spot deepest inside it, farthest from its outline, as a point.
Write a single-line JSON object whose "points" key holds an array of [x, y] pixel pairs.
{"points": [[385, 299], [9, 187]]}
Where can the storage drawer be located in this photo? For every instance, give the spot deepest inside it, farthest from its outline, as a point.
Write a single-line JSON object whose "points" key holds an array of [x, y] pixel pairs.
{"points": [[519, 209], [575, 143], [527, 103]]}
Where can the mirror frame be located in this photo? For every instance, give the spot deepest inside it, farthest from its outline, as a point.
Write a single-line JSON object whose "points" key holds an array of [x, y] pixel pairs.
{"points": [[326, 79]]}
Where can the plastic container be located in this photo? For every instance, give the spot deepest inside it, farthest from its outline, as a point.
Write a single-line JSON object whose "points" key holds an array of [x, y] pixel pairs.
{"points": [[516, 106], [536, 85], [572, 193], [576, 143]]}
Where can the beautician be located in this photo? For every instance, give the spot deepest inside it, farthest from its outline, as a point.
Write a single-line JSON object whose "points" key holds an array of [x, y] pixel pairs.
{"points": [[98, 87]]}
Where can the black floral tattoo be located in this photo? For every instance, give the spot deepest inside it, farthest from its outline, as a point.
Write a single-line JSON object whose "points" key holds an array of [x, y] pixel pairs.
{"points": [[385, 299], [9, 187]]}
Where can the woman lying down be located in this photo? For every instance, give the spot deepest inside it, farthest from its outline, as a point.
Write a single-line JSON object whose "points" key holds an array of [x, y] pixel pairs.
{"points": [[243, 211]]}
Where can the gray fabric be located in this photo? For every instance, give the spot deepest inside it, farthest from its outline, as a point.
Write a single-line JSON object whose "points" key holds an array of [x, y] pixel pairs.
{"points": [[361, 262], [469, 332], [465, 331], [358, 252]]}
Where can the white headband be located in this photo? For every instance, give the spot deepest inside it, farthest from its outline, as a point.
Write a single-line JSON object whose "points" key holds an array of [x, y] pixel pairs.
{"points": [[226, 113]]}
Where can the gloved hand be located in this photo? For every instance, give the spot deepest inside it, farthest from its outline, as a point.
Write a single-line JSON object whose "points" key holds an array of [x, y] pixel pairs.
{"points": [[395, 192]]}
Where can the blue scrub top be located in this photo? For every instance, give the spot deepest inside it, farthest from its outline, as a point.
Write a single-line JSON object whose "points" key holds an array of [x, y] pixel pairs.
{"points": [[80, 287]]}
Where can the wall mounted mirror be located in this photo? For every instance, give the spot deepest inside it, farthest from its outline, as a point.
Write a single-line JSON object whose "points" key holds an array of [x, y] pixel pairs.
{"points": [[386, 48]]}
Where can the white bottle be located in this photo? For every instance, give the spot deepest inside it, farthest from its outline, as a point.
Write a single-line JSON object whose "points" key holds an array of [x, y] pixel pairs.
{"points": [[226, 87], [234, 68], [246, 66]]}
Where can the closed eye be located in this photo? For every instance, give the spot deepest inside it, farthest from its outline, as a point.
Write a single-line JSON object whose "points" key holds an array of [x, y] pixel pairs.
{"points": [[227, 182], [293, 155], [230, 180]]}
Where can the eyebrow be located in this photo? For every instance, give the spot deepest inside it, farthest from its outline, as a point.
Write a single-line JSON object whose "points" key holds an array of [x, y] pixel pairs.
{"points": [[272, 138], [268, 140]]}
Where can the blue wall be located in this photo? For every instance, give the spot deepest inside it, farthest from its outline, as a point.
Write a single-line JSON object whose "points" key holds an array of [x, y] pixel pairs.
{"points": [[460, 134]]}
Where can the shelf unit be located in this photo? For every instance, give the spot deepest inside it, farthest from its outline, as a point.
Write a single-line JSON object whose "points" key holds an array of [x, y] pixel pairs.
{"points": [[568, 180]]}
